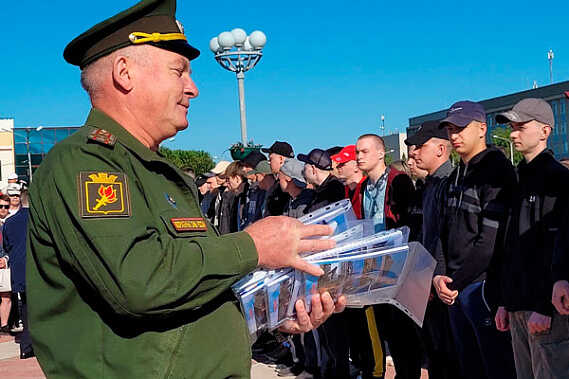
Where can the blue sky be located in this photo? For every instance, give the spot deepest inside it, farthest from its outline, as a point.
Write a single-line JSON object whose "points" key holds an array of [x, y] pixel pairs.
{"points": [[330, 68]]}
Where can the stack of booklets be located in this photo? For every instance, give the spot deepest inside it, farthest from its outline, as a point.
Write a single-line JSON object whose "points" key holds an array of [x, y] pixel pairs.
{"points": [[367, 268]]}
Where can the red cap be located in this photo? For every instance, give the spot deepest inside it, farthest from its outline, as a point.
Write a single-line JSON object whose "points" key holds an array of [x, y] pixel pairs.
{"points": [[347, 154]]}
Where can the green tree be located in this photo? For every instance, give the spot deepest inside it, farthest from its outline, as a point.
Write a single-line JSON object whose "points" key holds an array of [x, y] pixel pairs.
{"points": [[199, 161], [503, 144]]}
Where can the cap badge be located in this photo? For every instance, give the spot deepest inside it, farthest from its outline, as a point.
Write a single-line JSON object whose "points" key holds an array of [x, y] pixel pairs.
{"points": [[103, 194], [180, 26]]}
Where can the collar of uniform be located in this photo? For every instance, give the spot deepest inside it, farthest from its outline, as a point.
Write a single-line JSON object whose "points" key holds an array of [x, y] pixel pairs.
{"points": [[99, 119]]}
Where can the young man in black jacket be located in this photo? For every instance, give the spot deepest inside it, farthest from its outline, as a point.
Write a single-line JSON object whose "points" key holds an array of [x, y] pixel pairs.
{"points": [[540, 336], [432, 153], [478, 200]]}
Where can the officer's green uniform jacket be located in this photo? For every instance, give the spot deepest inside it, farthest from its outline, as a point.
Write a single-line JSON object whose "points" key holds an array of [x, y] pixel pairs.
{"points": [[121, 281]]}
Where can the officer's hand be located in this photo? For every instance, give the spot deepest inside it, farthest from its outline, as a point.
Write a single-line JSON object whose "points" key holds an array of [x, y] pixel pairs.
{"points": [[322, 307], [538, 323], [2, 262], [502, 320], [280, 239], [445, 294], [560, 297]]}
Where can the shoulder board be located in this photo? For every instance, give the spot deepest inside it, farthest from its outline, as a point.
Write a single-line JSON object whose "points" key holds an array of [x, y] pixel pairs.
{"points": [[102, 136]]}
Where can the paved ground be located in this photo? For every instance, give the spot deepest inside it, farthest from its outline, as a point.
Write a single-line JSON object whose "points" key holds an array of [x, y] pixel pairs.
{"points": [[11, 366]]}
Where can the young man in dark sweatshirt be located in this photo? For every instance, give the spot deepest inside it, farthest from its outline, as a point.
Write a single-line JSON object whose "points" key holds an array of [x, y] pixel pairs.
{"points": [[540, 336], [477, 201]]}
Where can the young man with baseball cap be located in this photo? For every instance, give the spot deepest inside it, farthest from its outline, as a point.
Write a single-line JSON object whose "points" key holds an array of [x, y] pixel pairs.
{"points": [[350, 175], [540, 336], [292, 181], [318, 172], [278, 152], [430, 150], [479, 197]]}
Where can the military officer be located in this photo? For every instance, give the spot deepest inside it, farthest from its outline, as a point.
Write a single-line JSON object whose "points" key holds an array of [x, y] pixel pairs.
{"points": [[126, 278]]}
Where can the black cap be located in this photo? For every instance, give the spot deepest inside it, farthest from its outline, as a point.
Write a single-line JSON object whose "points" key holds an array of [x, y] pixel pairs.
{"points": [[318, 158], [200, 180], [334, 150], [463, 113], [253, 158], [427, 130], [280, 148]]}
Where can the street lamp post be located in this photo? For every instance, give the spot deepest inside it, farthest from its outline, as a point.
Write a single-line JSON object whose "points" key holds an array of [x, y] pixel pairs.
{"points": [[237, 52], [382, 124], [550, 57], [511, 146]]}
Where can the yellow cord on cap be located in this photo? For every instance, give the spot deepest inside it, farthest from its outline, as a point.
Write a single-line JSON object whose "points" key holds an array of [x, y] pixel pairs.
{"points": [[140, 37]]}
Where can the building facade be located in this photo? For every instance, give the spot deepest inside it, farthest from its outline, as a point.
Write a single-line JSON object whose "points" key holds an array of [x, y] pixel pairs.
{"points": [[22, 149], [395, 145], [557, 95], [39, 141]]}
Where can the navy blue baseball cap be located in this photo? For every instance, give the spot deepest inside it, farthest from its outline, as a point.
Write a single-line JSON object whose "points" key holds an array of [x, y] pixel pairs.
{"points": [[463, 113]]}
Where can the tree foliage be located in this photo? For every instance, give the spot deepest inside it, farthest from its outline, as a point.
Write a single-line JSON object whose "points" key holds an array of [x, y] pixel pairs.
{"points": [[199, 161]]}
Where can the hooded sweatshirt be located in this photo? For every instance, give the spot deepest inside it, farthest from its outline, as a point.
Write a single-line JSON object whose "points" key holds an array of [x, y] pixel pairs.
{"points": [[478, 202]]}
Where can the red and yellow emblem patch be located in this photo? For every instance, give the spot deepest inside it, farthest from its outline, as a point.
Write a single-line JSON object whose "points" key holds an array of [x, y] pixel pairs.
{"points": [[103, 194], [189, 224]]}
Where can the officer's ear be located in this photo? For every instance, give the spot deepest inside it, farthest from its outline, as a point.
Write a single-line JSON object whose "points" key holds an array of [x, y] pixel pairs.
{"points": [[122, 73]]}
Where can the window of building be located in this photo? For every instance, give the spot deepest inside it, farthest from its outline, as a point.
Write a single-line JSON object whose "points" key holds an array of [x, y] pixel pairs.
{"points": [[39, 144]]}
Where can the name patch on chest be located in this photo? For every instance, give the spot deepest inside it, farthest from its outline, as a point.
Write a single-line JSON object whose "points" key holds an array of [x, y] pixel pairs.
{"points": [[103, 194], [189, 224]]}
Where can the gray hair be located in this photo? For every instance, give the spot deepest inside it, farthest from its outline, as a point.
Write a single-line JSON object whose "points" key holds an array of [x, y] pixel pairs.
{"points": [[93, 75]]}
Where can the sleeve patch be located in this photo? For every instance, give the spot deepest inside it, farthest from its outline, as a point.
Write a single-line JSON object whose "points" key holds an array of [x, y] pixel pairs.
{"points": [[103, 194], [189, 224]]}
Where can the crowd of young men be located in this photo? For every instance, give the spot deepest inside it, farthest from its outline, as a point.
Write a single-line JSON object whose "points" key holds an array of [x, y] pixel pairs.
{"points": [[500, 300]]}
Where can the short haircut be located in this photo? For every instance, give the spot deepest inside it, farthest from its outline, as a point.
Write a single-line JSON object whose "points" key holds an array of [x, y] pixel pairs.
{"points": [[5, 197], [377, 139], [236, 168]]}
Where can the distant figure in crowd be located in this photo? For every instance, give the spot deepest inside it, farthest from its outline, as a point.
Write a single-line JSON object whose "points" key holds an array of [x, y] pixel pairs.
{"points": [[351, 176], [215, 209], [292, 181], [386, 198], [479, 197], [14, 242], [13, 191], [318, 172], [540, 335], [278, 199], [332, 334], [255, 196], [5, 293], [266, 181], [430, 151]]}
